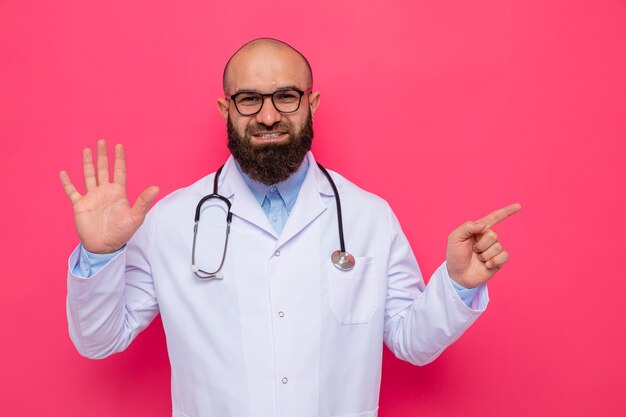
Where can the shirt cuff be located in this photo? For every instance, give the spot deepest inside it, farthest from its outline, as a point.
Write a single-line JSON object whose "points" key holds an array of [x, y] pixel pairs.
{"points": [[88, 263], [466, 294]]}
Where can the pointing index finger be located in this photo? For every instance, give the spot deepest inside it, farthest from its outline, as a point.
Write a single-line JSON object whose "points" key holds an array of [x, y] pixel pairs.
{"points": [[497, 216]]}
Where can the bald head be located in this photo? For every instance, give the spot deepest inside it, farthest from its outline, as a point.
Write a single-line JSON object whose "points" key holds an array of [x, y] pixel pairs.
{"points": [[269, 53]]}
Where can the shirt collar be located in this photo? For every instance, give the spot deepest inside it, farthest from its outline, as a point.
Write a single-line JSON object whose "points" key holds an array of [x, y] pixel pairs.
{"points": [[288, 188]]}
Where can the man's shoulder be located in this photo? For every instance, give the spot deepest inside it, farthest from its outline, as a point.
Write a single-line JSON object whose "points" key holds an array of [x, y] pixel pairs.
{"points": [[358, 196], [186, 196]]}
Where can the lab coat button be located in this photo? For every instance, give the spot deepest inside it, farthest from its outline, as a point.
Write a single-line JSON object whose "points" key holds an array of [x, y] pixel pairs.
{"points": [[285, 380], [277, 253], [281, 314]]}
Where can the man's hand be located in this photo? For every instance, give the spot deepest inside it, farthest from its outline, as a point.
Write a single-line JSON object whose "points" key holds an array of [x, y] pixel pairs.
{"points": [[104, 219], [474, 252]]}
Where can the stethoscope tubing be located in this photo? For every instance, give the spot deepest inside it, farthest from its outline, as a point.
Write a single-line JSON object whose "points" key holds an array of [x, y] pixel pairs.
{"points": [[340, 259], [338, 202]]}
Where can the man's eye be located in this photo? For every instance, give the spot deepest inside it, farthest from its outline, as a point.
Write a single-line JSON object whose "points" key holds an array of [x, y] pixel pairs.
{"points": [[248, 100], [287, 97]]}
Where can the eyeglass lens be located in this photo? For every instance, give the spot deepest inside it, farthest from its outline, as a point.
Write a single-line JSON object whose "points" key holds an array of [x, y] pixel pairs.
{"points": [[285, 101]]}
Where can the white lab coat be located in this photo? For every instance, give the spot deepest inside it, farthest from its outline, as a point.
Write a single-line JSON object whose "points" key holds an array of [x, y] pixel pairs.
{"points": [[285, 333]]}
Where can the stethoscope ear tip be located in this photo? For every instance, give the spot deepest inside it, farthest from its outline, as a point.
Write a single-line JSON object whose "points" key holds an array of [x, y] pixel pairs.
{"points": [[205, 275]]}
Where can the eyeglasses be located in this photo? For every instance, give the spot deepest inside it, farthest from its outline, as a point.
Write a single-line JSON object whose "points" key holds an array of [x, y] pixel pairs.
{"points": [[285, 100]]}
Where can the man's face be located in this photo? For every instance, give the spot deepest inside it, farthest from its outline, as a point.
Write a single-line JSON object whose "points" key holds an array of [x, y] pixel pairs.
{"points": [[269, 145]]}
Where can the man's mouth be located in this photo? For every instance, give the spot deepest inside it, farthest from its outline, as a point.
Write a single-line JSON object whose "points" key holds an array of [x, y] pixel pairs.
{"points": [[266, 137]]}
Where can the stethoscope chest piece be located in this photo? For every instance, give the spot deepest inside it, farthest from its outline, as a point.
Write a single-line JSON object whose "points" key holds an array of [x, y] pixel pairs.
{"points": [[342, 260]]}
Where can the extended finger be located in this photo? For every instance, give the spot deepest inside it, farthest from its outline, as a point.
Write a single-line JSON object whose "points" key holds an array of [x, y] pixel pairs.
{"points": [[119, 167], [497, 261], [491, 251], [103, 162], [485, 240], [69, 188], [145, 199], [497, 216], [88, 170]]}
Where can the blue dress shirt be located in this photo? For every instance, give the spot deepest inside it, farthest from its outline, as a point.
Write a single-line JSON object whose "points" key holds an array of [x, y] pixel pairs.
{"points": [[277, 202]]}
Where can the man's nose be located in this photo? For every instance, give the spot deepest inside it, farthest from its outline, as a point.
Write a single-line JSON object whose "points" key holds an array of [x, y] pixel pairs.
{"points": [[268, 114]]}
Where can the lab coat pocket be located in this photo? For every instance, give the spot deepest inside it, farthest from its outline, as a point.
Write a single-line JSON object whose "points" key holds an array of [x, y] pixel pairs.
{"points": [[353, 294]]}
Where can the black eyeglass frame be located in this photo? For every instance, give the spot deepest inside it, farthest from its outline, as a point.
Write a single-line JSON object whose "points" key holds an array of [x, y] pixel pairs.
{"points": [[271, 95]]}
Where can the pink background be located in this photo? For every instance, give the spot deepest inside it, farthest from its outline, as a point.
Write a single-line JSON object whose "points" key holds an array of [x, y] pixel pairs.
{"points": [[447, 109]]}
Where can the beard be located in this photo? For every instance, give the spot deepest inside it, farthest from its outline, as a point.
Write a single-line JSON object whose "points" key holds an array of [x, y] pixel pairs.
{"points": [[270, 163]]}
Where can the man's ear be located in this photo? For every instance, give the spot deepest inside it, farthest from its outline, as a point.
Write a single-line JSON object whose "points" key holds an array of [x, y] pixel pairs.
{"points": [[314, 101], [223, 104]]}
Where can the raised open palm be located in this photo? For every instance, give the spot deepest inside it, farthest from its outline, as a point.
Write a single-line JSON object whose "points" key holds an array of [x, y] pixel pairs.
{"points": [[104, 219]]}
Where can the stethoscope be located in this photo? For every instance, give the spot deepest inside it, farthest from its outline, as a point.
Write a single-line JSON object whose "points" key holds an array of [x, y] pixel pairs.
{"points": [[340, 258]]}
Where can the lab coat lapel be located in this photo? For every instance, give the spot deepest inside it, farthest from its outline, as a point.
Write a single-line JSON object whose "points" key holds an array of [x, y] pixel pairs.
{"points": [[309, 204], [232, 186]]}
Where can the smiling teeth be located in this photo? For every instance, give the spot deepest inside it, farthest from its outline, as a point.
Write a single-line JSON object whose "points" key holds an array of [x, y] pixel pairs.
{"points": [[270, 135]]}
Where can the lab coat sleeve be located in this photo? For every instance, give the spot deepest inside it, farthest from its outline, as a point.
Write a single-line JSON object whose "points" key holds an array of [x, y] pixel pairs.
{"points": [[107, 311], [422, 320]]}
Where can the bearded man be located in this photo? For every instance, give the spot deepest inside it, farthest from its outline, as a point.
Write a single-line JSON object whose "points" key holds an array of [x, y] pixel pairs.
{"points": [[265, 322]]}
